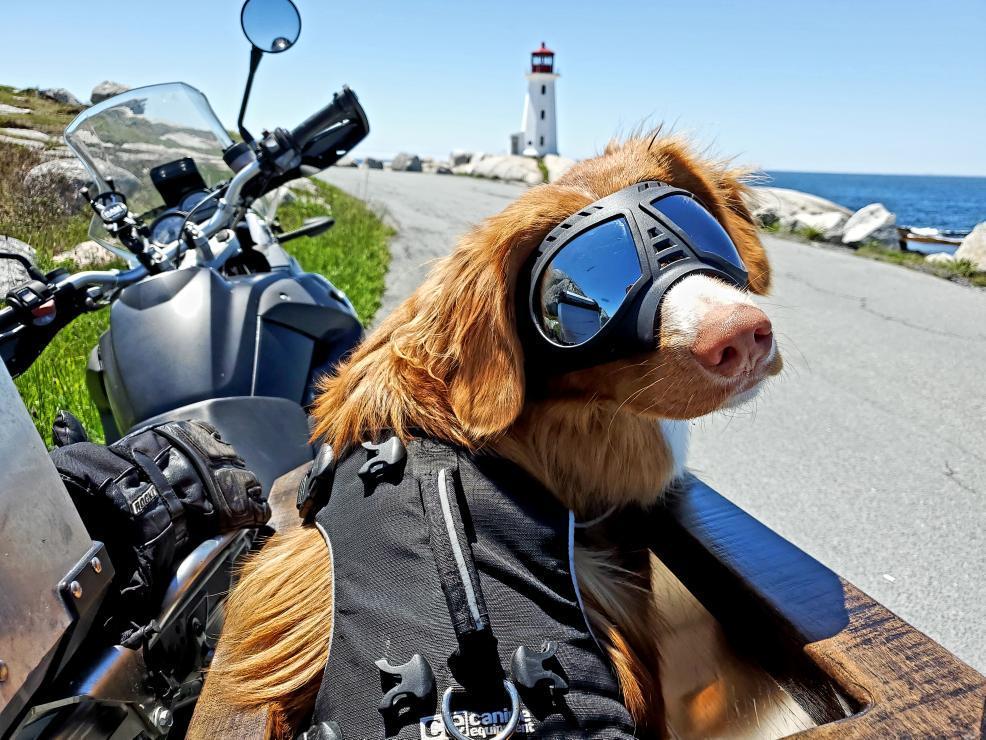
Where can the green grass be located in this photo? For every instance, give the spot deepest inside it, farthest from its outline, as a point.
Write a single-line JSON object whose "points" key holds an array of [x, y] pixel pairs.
{"points": [[961, 270], [810, 233], [543, 168], [46, 115]]}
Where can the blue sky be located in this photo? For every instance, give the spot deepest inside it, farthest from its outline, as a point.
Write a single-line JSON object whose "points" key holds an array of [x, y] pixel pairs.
{"points": [[865, 86]]}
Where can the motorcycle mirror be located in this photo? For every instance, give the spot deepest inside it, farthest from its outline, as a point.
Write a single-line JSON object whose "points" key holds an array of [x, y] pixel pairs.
{"points": [[272, 26]]}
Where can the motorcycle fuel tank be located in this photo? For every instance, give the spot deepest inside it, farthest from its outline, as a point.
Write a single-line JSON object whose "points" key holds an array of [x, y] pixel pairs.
{"points": [[192, 335]]}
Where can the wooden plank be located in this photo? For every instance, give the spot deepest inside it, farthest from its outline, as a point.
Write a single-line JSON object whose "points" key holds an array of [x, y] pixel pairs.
{"points": [[908, 683]]}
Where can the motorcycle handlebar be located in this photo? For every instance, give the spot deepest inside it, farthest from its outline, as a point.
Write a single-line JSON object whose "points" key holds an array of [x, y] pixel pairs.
{"points": [[343, 105]]}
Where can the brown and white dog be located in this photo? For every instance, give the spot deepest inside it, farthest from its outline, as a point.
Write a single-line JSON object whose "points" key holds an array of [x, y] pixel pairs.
{"points": [[448, 364]]}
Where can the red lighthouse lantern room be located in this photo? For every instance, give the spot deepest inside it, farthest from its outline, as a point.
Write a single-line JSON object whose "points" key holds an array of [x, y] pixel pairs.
{"points": [[543, 60]]}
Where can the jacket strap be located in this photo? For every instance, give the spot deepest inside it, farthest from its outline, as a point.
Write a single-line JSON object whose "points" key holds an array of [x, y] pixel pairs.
{"points": [[436, 468]]}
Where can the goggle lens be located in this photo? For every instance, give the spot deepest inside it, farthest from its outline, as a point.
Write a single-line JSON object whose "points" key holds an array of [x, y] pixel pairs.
{"points": [[704, 231], [587, 281]]}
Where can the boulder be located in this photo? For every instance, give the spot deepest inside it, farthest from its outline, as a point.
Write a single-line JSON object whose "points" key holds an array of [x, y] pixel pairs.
{"points": [[373, 164], [507, 167], [59, 95], [557, 166], [940, 258], [828, 225], [62, 179], [86, 254], [443, 169], [11, 272], [22, 142], [458, 157], [346, 161], [973, 247], [405, 162], [12, 110], [57, 152], [781, 205], [872, 223], [106, 89], [26, 133]]}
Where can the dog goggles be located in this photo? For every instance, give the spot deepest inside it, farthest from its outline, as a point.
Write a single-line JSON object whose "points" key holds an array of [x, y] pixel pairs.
{"points": [[604, 270]]}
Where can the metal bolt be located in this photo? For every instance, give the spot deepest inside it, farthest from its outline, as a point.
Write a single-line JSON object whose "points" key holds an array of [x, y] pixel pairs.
{"points": [[4, 671], [75, 588], [162, 719], [97, 565]]}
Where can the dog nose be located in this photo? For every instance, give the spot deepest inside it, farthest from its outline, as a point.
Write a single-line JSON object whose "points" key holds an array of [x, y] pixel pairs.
{"points": [[731, 339]]}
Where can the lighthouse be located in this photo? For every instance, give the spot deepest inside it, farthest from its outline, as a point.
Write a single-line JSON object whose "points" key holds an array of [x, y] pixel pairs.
{"points": [[539, 133]]}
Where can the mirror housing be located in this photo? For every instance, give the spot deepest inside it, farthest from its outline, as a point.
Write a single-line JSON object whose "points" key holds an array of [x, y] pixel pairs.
{"points": [[272, 26]]}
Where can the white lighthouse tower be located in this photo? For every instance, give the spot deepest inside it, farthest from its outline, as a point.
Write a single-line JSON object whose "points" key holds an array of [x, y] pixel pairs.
{"points": [[539, 135]]}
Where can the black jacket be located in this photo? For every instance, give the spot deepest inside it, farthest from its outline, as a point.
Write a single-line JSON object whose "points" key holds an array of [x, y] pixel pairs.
{"points": [[456, 571]]}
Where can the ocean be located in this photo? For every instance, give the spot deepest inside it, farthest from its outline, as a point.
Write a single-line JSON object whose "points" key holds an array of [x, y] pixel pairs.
{"points": [[950, 205]]}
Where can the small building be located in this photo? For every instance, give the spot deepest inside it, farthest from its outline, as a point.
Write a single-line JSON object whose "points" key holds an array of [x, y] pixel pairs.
{"points": [[539, 132]]}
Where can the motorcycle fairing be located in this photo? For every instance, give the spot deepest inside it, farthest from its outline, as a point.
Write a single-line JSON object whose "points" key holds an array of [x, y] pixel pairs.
{"points": [[44, 540]]}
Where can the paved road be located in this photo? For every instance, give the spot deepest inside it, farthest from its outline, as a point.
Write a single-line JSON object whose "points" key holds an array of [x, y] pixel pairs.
{"points": [[869, 452]]}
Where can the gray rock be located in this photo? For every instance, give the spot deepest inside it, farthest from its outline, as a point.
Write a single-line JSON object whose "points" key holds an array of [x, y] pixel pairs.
{"points": [[13, 273], [458, 157], [59, 95], [405, 162], [86, 254], [12, 110], [58, 152], [781, 205], [22, 142], [829, 225], [25, 133], [557, 166], [973, 247], [509, 167], [105, 90], [62, 179], [443, 169], [872, 223], [940, 258], [373, 164], [346, 161]]}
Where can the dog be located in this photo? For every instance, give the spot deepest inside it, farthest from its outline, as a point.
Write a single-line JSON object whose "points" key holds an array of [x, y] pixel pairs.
{"points": [[449, 364]]}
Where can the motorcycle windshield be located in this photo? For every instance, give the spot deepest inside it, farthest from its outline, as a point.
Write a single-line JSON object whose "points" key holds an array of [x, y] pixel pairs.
{"points": [[123, 139]]}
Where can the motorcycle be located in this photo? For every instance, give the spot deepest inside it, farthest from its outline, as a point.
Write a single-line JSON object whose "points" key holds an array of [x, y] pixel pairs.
{"points": [[189, 210]]}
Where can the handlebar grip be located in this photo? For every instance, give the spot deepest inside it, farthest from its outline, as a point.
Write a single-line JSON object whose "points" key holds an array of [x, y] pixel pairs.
{"points": [[344, 105]]}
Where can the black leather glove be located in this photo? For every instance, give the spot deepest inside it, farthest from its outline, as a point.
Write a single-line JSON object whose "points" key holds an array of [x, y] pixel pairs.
{"points": [[155, 494]]}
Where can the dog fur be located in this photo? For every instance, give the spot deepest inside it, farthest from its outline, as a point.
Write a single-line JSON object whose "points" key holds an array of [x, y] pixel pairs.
{"points": [[448, 364]]}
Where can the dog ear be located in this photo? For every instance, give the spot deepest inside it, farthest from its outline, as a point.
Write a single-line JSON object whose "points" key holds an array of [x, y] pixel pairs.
{"points": [[486, 387]]}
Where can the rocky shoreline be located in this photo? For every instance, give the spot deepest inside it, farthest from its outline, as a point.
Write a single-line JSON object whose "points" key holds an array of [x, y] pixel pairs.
{"points": [[800, 214], [778, 210]]}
